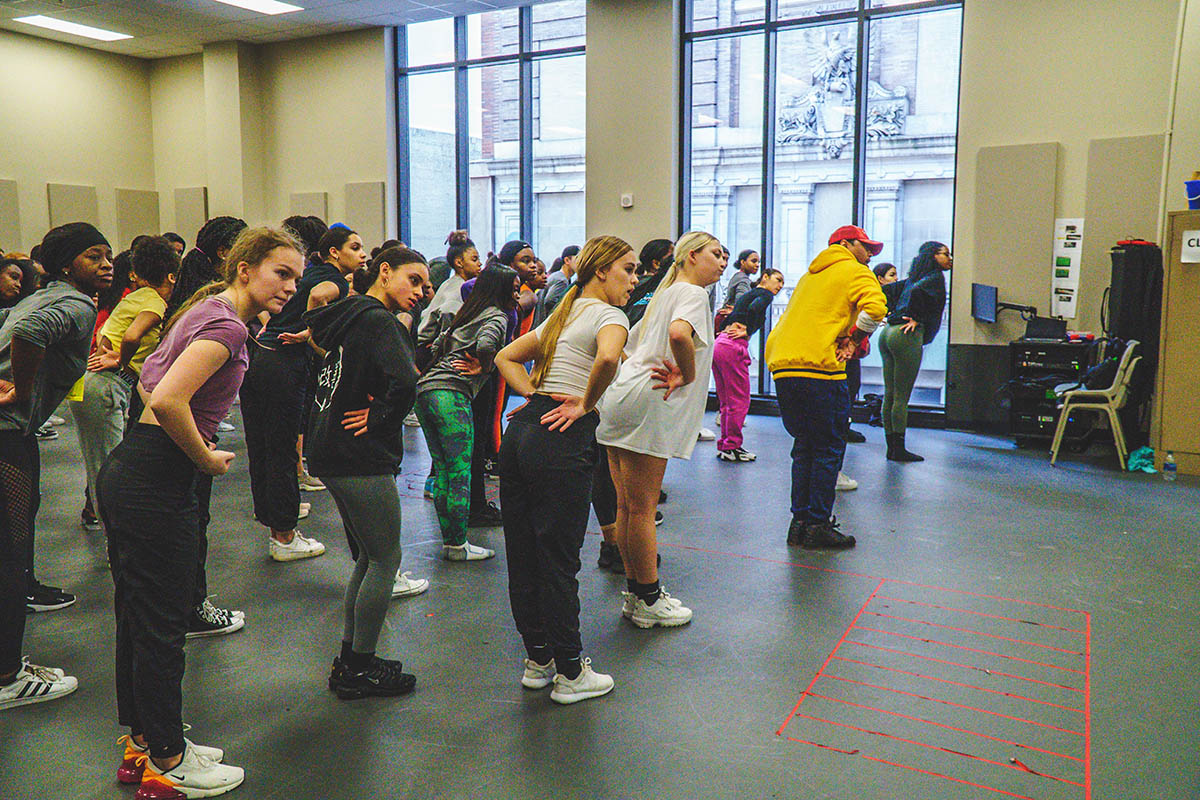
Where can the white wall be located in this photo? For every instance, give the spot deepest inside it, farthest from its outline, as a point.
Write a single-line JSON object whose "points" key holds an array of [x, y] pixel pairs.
{"points": [[76, 116]]}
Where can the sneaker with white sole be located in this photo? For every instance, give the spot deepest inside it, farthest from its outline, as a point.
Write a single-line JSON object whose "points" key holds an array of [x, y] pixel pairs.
{"points": [[466, 552], [538, 676], [706, 435], [411, 420], [737, 455], [628, 604], [585, 686], [55, 420], [304, 510], [209, 620], [299, 547], [310, 484], [845, 483], [408, 586], [35, 684], [194, 776], [133, 764], [666, 612], [225, 427]]}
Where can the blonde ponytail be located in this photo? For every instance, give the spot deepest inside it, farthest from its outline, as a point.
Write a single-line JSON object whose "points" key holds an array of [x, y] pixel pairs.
{"points": [[689, 243], [597, 253]]}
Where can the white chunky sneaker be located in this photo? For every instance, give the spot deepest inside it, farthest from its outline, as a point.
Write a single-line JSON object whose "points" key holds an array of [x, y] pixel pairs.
{"points": [[408, 586], [35, 684], [299, 547], [537, 676], [304, 510], [587, 685], [310, 484], [628, 604], [706, 435], [845, 483], [666, 612], [466, 552], [133, 763], [195, 776]]}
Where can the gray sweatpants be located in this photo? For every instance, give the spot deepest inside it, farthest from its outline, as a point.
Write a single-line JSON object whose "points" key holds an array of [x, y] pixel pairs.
{"points": [[370, 509], [100, 422]]}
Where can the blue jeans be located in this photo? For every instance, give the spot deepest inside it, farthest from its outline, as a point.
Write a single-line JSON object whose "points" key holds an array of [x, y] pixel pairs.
{"points": [[814, 412]]}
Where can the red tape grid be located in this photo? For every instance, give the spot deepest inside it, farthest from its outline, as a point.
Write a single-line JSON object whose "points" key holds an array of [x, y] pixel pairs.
{"points": [[850, 651]]}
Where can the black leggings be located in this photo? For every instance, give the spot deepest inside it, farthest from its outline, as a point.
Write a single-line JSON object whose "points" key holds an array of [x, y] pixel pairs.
{"points": [[272, 397], [20, 472], [147, 491], [483, 412], [545, 486], [604, 493]]}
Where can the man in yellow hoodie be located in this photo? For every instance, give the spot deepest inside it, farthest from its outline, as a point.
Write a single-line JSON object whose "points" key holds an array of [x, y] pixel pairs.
{"points": [[834, 306]]}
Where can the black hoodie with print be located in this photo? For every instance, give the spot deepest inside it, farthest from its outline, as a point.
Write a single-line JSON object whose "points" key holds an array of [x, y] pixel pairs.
{"points": [[368, 364]]}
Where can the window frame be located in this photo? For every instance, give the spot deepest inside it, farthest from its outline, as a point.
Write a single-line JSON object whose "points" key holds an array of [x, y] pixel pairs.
{"points": [[525, 57], [770, 28]]}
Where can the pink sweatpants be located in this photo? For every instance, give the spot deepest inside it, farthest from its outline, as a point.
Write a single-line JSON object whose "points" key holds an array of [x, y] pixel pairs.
{"points": [[731, 370]]}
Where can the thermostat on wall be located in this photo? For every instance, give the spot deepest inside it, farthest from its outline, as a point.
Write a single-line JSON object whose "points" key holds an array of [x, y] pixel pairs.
{"points": [[627, 201]]}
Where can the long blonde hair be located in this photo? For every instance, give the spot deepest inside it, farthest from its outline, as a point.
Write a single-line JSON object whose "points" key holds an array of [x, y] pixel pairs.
{"points": [[689, 243], [597, 253], [252, 246]]}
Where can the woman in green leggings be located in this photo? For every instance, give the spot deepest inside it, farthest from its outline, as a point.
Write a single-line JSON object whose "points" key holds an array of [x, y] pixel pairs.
{"points": [[462, 361], [912, 324]]}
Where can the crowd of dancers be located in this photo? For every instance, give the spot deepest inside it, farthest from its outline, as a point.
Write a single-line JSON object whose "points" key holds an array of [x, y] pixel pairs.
{"points": [[331, 349]]}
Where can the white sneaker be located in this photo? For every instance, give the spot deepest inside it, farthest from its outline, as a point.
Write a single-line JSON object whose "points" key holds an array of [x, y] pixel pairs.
{"points": [[35, 684], [845, 483], [628, 604], [666, 612], [224, 427], [310, 484], [536, 675], [56, 420], [706, 435], [407, 586], [411, 420], [299, 547], [195, 776], [587, 685], [133, 764], [466, 552], [303, 512]]}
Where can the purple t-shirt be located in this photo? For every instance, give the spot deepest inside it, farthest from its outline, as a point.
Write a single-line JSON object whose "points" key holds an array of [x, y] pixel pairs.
{"points": [[214, 320]]}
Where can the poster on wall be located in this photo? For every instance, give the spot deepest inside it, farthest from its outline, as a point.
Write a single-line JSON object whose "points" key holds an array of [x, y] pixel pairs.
{"points": [[1064, 285]]}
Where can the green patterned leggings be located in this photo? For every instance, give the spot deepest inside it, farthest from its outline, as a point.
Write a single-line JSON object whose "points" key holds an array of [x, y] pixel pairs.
{"points": [[446, 421]]}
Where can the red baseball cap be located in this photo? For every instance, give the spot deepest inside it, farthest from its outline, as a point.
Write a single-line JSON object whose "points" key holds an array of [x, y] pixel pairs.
{"points": [[853, 232]]}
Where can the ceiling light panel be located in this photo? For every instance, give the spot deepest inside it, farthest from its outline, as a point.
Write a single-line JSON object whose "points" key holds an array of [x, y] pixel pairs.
{"points": [[74, 28], [263, 6]]}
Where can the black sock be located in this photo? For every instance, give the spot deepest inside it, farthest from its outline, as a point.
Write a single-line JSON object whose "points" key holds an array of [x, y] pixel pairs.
{"points": [[357, 662], [568, 664], [631, 585], [539, 653], [647, 592], [347, 648]]}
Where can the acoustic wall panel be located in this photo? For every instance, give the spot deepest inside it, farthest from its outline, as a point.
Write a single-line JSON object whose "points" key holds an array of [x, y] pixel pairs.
{"points": [[191, 212], [137, 213], [1014, 229], [70, 203], [10, 218], [365, 211], [310, 204]]}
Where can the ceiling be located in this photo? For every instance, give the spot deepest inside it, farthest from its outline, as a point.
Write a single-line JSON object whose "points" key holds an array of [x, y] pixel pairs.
{"points": [[162, 28]]}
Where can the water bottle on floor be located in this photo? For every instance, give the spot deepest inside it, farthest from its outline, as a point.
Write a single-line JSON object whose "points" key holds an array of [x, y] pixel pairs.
{"points": [[1169, 467]]}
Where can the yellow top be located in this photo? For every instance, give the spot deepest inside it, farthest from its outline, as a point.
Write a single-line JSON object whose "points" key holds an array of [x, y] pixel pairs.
{"points": [[826, 303], [145, 299]]}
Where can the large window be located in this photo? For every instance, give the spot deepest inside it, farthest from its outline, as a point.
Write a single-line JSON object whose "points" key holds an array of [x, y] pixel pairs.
{"points": [[492, 128], [805, 115]]}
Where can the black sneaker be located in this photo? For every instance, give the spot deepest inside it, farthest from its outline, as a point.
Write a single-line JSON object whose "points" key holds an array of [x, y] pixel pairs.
{"points": [[658, 518], [486, 517], [337, 673], [208, 620], [826, 536], [796, 531], [39, 597], [46, 433], [606, 555], [380, 679], [854, 437], [662, 497]]}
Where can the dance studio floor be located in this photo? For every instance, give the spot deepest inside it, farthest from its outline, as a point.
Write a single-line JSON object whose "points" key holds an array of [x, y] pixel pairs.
{"points": [[1004, 629]]}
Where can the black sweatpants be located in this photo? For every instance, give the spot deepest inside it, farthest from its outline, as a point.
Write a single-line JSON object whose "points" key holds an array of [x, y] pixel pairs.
{"points": [[545, 489], [483, 413], [20, 474], [147, 491], [272, 397], [604, 493]]}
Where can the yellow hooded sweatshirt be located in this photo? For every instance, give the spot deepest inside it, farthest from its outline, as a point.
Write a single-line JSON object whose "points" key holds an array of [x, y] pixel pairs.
{"points": [[836, 295]]}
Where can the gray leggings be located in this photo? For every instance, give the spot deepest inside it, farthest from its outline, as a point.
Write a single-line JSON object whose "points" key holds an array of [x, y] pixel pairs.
{"points": [[901, 354], [370, 509]]}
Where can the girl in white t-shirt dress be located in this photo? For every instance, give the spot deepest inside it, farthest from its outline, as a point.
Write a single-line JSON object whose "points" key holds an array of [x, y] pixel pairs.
{"points": [[653, 412], [547, 459]]}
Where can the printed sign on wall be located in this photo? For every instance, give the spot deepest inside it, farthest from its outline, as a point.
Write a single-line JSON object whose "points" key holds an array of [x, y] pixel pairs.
{"points": [[1064, 286]]}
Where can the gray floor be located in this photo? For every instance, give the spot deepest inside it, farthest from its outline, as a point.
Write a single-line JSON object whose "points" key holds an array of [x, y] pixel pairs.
{"points": [[943, 689]]}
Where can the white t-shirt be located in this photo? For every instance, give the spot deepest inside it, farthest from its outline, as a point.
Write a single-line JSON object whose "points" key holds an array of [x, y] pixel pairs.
{"points": [[576, 349], [633, 414]]}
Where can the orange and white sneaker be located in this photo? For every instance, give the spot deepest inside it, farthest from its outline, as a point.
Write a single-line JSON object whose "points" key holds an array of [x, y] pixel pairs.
{"points": [[194, 776], [132, 764]]}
